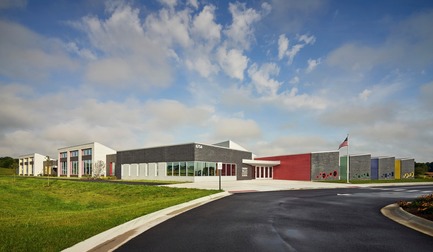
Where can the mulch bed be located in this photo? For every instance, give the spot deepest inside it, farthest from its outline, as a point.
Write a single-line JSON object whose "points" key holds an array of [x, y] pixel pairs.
{"points": [[415, 212]]}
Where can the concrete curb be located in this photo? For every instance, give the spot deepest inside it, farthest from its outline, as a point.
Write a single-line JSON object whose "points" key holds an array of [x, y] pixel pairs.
{"points": [[397, 214], [116, 236]]}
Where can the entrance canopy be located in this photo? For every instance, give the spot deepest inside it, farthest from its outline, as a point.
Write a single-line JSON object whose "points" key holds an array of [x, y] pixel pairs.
{"points": [[261, 162]]}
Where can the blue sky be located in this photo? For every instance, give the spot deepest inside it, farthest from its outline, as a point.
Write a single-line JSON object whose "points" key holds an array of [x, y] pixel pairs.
{"points": [[277, 77]]}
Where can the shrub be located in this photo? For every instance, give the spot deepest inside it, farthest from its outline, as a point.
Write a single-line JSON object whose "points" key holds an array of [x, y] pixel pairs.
{"points": [[423, 204]]}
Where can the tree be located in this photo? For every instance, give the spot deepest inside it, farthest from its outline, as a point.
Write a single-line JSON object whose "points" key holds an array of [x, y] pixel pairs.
{"points": [[8, 162], [99, 169], [420, 168]]}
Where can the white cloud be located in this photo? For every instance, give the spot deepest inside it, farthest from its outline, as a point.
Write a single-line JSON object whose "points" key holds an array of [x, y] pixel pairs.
{"points": [[290, 53], [292, 144], [364, 94], [193, 3], [25, 55], [136, 62], [203, 66], [308, 40], [236, 128], [204, 25], [283, 45], [169, 27], [294, 80], [169, 3], [34, 126], [261, 78], [294, 101], [241, 31], [233, 62], [82, 53], [312, 64]]}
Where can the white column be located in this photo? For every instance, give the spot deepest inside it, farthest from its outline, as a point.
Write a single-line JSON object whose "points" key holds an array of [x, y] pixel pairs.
{"points": [[80, 164], [68, 164]]}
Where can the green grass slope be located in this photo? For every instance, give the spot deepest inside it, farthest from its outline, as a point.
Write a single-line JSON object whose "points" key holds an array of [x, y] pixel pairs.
{"points": [[38, 217]]}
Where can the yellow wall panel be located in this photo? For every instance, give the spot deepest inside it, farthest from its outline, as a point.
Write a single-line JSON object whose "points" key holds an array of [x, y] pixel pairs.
{"points": [[397, 173]]}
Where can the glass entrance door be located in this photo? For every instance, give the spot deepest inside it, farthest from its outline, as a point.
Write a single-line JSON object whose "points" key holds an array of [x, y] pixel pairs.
{"points": [[263, 172]]}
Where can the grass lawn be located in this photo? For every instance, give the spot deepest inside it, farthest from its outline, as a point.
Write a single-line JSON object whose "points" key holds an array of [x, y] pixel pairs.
{"points": [[38, 217], [6, 171]]}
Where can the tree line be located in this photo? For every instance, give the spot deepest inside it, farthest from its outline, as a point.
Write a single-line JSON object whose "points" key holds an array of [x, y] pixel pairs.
{"points": [[8, 162], [421, 168]]}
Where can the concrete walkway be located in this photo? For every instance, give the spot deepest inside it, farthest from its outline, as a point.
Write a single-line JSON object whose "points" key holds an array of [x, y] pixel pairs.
{"points": [[266, 185], [115, 237]]}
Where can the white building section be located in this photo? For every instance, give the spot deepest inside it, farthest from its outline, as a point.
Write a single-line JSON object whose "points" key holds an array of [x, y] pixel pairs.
{"points": [[80, 160], [31, 164]]}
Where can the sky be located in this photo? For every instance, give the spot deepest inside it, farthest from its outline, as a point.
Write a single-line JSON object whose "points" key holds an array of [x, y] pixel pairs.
{"points": [[277, 77]]}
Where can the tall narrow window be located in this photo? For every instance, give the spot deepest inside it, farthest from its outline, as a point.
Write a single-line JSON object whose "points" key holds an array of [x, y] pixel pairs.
{"points": [[182, 169], [74, 168], [87, 167], [190, 167], [169, 169], [175, 169]]}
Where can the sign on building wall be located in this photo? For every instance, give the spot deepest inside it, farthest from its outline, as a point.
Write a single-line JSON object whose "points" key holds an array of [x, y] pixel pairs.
{"points": [[244, 172]]}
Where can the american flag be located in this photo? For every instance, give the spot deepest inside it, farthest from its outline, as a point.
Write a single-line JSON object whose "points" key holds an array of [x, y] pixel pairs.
{"points": [[344, 143]]}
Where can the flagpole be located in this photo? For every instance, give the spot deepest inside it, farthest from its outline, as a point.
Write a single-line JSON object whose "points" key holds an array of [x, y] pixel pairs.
{"points": [[347, 159]]}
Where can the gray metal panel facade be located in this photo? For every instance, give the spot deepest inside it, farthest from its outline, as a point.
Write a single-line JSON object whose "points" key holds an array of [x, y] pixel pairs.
{"points": [[184, 152], [386, 167], [407, 168], [360, 167], [218, 154], [324, 166]]}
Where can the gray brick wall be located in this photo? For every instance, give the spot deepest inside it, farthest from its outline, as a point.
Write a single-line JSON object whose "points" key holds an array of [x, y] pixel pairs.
{"points": [[386, 168], [407, 168], [360, 167], [324, 165]]}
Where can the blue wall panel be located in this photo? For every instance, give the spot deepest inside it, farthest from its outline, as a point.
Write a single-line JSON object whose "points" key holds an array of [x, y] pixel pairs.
{"points": [[374, 169]]}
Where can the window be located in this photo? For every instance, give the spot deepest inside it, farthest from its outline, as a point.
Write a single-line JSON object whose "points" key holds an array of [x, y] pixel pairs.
{"points": [[182, 169], [63, 155], [74, 153], [87, 167], [190, 167], [169, 169], [74, 168], [212, 168], [176, 169], [64, 167], [199, 166], [87, 152]]}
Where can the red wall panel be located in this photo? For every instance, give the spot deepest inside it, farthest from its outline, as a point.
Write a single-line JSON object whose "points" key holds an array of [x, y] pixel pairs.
{"points": [[292, 167]]}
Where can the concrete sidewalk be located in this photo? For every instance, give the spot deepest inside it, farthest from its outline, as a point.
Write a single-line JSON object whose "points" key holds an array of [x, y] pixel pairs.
{"points": [[265, 185], [115, 237]]}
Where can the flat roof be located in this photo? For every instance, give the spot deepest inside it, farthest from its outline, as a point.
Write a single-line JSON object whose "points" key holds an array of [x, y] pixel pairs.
{"points": [[261, 162], [190, 143]]}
